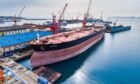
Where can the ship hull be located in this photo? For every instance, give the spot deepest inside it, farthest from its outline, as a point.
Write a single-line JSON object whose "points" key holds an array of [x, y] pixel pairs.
{"points": [[40, 58]]}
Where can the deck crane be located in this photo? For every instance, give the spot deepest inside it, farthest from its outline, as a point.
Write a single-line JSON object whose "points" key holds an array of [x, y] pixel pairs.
{"points": [[87, 14], [15, 18], [61, 15]]}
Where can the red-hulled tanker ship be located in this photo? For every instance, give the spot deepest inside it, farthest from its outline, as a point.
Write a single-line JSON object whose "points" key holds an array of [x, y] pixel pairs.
{"points": [[65, 45], [62, 46]]}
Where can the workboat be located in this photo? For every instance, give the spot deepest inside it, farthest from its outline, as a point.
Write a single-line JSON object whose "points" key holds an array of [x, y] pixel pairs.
{"points": [[65, 45], [113, 29]]}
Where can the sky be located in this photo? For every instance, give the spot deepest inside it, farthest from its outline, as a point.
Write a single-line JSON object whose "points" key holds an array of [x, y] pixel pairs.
{"points": [[76, 8]]}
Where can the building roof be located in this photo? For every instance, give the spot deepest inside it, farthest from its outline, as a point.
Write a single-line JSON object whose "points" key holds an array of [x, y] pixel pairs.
{"points": [[10, 40], [11, 28]]}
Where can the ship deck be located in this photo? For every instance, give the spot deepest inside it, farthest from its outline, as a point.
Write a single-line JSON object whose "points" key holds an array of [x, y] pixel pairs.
{"points": [[64, 37]]}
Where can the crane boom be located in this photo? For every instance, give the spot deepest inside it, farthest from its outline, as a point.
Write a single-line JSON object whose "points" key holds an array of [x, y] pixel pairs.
{"points": [[15, 18], [63, 11], [89, 7], [116, 22], [21, 11]]}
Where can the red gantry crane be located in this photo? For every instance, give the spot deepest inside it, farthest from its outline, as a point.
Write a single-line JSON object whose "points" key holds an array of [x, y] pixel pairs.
{"points": [[87, 14], [54, 25]]}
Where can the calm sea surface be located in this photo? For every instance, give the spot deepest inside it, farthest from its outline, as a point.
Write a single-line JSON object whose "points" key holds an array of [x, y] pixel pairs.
{"points": [[114, 60]]}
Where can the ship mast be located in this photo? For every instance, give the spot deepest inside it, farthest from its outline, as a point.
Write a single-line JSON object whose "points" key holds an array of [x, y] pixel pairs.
{"points": [[87, 14]]}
